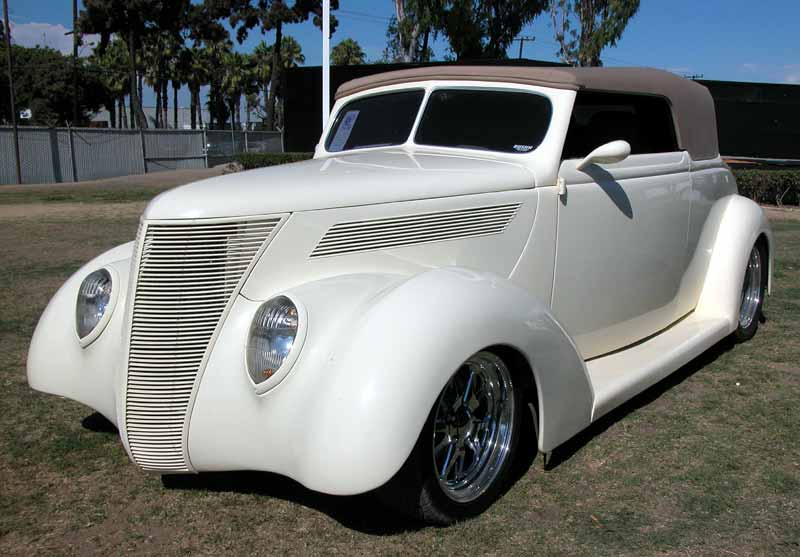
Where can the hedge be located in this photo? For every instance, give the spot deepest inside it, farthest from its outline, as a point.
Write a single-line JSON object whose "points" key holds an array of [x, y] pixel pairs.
{"points": [[764, 185], [774, 186], [259, 160]]}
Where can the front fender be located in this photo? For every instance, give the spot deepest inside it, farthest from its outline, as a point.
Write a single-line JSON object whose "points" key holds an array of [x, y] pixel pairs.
{"points": [[58, 364], [377, 353], [381, 385]]}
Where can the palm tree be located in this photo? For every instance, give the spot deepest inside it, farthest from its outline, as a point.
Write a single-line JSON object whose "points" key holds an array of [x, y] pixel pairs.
{"points": [[233, 83], [197, 76], [262, 56], [215, 52], [262, 67], [113, 65], [347, 53]]}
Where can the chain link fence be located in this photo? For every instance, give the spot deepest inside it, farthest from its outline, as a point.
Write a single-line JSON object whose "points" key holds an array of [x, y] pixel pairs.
{"points": [[224, 144], [50, 155]]}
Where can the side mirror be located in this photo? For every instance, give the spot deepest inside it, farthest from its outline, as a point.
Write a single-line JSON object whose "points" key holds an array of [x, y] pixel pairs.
{"points": [[613, 151]]}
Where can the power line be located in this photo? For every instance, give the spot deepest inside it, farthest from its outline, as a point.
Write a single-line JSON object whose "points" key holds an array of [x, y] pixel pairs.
{"points": [[355, 13]]}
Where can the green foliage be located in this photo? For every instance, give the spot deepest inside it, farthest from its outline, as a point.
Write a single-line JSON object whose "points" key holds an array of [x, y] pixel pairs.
{"points": [[584, 27], [776, 186], [43, 83], [477, 29], [260, 160], [347, 53], [270, 15], [410, 30]]}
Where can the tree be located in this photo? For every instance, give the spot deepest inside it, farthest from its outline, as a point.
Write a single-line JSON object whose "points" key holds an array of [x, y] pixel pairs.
{"points": [[214, 53], [410, 29], [133, 20], [484, 29], [584, 27], [270, 15], [234, 83], [43, 84], [291, 56], [113, 74], [347, 53]]}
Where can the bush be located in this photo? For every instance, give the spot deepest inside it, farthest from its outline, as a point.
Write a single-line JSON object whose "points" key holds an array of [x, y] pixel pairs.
{"points": [[776, 186], [260, 160]]}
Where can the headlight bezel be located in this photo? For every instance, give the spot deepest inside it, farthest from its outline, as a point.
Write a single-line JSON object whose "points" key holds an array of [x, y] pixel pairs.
{"points": [[294, 353], [101, 325]]}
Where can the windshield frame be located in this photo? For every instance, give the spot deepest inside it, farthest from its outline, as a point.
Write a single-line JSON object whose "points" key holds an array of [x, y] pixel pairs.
{"points": [[429, 87]]}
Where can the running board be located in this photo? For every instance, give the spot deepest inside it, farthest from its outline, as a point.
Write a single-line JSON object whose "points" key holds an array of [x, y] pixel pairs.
{"points": [[621, 375]]}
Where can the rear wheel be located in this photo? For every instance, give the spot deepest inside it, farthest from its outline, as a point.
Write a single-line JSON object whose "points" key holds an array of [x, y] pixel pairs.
{"points": [[754, 289], [463, 458]]}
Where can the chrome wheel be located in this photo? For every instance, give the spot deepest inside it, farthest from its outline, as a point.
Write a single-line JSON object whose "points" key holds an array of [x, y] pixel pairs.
{"points": [[751, 290], [472, 427]]}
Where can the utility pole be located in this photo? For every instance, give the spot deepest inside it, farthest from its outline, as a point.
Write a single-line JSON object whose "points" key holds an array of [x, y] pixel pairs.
{"points": [[11, 91], [326, 61], [75, 39], [522, 42]]}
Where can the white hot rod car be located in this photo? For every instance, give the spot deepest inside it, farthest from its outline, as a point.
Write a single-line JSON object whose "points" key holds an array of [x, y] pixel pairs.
{"points": [[468, 243]]}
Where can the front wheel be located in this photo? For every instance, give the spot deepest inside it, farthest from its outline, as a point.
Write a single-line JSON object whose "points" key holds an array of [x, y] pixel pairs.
{"points": [[754, 289], [463, 458]]}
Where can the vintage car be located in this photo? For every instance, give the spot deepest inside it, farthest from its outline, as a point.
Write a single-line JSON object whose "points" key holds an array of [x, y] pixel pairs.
{"points": [[470, 249]]}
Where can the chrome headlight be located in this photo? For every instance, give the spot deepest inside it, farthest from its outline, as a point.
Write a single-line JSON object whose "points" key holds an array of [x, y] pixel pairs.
{"points": [[277, 331], [95, 303]]}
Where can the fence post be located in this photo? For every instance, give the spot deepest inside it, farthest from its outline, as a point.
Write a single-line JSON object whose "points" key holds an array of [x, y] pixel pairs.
{"points": [[55, 155], [144, 153], [246, 146], [205, 146], [233, 139], [72, 154]]}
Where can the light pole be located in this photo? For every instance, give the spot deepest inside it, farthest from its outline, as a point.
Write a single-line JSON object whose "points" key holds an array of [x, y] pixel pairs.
{"points": [[11, 91], [326, 61]]}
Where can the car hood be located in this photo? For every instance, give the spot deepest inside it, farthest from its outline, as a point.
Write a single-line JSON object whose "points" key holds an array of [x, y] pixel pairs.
{"points": [[341, 181]]}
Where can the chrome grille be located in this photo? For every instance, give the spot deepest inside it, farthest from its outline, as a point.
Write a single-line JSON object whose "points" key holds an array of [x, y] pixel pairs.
{"points": [[187, 275], [392, 232]]}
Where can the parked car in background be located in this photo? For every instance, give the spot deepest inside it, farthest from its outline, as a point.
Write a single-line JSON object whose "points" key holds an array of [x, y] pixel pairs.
{"points": [[468, 244]]}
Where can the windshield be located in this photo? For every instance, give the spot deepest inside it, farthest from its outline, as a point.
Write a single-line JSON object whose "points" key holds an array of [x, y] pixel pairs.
{"points": [[507, 121], [375, 121], [492, 120]]}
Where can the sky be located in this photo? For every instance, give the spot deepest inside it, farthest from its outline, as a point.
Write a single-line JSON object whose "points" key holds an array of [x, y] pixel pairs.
{"points": [[735, 40]]}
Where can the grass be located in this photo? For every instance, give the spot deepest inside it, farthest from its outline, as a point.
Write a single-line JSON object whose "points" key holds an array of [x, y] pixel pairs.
{"points": [[79, 194], [705, 463]]}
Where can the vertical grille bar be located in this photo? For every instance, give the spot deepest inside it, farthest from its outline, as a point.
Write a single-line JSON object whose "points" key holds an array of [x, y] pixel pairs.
{"points": [[187, 276]]}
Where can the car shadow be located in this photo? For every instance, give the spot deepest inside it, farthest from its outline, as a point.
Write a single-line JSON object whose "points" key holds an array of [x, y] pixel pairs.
{"points": [[566, 451], [99, 424], [612, 189], [363, 513]]}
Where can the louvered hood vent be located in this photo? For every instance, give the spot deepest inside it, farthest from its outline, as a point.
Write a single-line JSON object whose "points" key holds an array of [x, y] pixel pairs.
{"points": [[377, 234], [187, 276]]}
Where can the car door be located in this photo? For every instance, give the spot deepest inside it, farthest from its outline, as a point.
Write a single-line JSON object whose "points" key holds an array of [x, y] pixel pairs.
{"points": [[622, 227]]}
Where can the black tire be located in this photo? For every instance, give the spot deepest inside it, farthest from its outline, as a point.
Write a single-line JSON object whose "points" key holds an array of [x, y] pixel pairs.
{"points": [[747, 328], [416, 490]]}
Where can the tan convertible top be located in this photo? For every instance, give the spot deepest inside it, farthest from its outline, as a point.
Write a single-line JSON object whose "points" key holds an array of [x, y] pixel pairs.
{"points": [[692, 105]]}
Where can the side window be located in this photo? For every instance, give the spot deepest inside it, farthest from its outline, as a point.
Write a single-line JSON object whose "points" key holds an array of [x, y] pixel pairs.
{"points": [[597, 118]]}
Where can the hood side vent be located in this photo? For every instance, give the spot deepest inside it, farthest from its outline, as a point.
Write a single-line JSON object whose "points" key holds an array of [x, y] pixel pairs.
{"points": [[393, 232]]}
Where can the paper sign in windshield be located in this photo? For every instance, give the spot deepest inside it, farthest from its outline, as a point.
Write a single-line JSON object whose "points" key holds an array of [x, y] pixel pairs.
{"points": [[345, 128]]}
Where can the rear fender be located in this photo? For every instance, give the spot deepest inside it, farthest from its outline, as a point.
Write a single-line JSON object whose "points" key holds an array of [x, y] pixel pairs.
{"points": [[732, 228]]}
